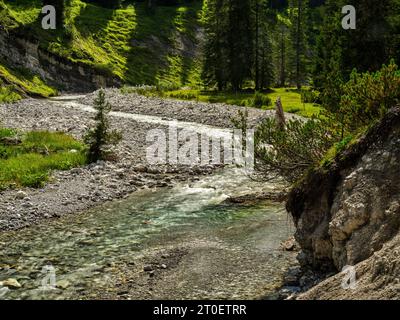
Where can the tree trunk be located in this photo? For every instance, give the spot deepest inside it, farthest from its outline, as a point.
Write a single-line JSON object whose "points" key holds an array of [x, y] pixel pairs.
{"points": [[257, 67], [282, 70], [298, 44]]}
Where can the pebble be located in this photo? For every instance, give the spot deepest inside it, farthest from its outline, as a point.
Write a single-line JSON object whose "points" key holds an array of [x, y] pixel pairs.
{"points": [[63, 284], [10, 283], [20, 195], [148, 268]]}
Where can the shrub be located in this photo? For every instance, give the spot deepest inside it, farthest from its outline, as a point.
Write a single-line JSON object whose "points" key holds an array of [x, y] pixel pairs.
{"points": [[291, 151], [259, 100], [366, 97], [288, 148], [309, 96]]}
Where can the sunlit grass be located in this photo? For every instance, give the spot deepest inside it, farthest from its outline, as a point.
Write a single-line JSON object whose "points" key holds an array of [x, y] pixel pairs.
{"points": [[23, 79], [29, 163], [291, 99]]}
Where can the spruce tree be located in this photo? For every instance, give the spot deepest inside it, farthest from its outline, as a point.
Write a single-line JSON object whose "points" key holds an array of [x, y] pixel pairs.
{"points": [[215, 62], [100, 138], [298, 40], [239, 42], [264, 19]]}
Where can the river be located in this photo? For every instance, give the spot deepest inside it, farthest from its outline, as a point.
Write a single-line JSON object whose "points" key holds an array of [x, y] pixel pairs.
{"points": [[212, 249]]}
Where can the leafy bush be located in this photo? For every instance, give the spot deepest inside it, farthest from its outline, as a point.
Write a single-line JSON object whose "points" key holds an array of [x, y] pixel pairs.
{"points": [[368, 96]]}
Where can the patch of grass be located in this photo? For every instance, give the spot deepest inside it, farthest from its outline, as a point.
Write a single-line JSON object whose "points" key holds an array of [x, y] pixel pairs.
{"points": [[8, 94], [291, 98], [6, 132], [336, 149], [29, 163], [291, 102]]}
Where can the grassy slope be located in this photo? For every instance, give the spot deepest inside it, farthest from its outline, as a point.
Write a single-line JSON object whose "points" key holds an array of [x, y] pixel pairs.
{"points": [[18, 81], [138, 47]]}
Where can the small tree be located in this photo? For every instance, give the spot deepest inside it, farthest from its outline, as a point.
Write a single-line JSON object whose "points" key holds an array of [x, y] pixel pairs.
{"points": [[100, 138]]}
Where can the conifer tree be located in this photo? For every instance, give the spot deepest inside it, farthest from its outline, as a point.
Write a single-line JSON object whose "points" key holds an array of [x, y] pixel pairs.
{"points": [[100, 138], [298, 40]]}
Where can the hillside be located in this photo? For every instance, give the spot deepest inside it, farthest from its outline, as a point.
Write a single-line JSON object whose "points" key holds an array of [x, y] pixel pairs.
{"points": [[128, 45]]}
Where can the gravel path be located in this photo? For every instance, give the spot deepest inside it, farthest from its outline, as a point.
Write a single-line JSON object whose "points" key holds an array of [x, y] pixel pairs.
{"points": [[81, 188]]}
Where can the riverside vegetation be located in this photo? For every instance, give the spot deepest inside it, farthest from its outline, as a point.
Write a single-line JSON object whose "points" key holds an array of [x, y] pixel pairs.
{"points": [[26, 159]]}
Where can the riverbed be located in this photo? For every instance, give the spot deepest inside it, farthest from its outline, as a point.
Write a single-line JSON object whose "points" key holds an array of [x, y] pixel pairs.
{"points": [[181, 243], [124, 230]]}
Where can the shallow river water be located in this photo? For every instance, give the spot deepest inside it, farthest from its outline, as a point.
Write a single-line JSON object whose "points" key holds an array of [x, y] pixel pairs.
{"points": [[78, 248]]}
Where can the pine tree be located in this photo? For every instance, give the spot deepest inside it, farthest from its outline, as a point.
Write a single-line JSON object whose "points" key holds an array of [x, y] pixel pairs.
{"points": [[264, 20], [298, 40], [329, 68], [215, 63], [239, 42], [280, 44], [101, 137]]}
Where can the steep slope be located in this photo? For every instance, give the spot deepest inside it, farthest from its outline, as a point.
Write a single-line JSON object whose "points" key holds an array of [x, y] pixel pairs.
{"points": [[104, 47], [16, 83], [349, 214]]}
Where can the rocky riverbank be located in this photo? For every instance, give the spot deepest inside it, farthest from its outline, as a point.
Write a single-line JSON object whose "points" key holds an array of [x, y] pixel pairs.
{"points": [[82, 188]]}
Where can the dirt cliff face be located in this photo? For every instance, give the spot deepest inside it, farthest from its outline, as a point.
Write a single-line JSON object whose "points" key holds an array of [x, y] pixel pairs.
{"points": [[347, 213]]}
